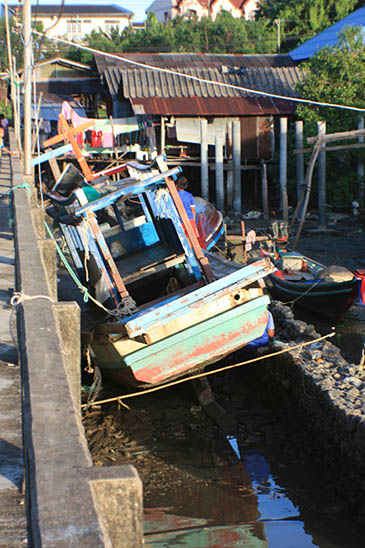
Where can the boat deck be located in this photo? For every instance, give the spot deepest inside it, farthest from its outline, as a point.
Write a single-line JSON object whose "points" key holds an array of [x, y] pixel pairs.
{"points": [[151, 260]]}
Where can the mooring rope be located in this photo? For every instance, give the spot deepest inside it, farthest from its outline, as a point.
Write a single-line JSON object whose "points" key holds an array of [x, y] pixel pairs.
{"points": [[205, 374], [303, 294], [19, 297]]}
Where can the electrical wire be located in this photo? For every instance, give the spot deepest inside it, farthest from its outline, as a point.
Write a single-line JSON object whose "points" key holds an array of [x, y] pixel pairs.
{"points": [[203, 80]]}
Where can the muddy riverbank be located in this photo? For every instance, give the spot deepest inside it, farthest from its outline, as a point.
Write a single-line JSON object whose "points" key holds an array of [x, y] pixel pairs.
{"points": [[192, 477], [190, 470]]}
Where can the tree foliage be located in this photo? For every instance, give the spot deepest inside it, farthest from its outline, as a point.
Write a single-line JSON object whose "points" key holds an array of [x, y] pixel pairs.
{"points": [[302, 19], [224, 35], [16, 42], [335, 75]]}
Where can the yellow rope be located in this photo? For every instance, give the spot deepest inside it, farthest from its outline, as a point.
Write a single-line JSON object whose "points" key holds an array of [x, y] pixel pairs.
{"points": [[205, 374]]}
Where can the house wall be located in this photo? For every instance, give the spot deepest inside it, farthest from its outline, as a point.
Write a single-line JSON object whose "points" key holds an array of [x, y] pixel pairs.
{"points": [[77, 27], [52, 71], [256, 141], [165, 10], [250, 8], [226, 5]]}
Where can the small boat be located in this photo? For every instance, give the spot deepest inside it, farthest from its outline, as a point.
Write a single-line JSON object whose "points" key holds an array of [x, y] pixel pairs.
{"points": [[171, 308], [209, 222], [327, 291]]}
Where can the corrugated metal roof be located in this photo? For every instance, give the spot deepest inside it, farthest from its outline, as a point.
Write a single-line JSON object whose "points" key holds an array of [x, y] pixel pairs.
{"points": [[275, 74], [209, 106], [328, 37]]}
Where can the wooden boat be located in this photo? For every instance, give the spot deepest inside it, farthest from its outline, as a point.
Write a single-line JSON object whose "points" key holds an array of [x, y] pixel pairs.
{"points": [[327, 291], [209, 222], [173, 308]]}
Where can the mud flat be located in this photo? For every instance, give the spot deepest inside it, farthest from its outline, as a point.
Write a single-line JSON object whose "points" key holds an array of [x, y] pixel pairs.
{"points": [[307, 403]]}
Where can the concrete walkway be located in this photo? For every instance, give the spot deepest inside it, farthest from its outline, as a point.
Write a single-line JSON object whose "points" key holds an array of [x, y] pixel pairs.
{"points": [[12, 509]]}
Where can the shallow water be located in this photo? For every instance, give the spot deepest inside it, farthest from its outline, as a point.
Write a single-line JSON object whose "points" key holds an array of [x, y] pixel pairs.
{"points": [[284, 509], [277, 499]]}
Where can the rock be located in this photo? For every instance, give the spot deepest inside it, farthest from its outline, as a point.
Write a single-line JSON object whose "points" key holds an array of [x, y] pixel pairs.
{"points": [[353, 393], [356, 382]]}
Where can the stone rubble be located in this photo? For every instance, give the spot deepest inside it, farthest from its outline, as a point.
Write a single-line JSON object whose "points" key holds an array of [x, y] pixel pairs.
{"points": [[318, 385]]}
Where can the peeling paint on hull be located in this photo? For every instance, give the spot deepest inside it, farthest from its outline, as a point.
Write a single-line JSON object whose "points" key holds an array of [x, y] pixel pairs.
{"points": [[187, 350]]}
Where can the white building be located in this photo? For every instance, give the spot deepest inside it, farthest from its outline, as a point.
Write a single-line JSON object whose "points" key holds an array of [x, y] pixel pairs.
{"points": [[169, 9], [74, 22]]}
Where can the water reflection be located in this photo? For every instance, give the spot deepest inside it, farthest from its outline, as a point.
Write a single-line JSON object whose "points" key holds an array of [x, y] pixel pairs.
{"points": [[275, 507], [265, 517]]}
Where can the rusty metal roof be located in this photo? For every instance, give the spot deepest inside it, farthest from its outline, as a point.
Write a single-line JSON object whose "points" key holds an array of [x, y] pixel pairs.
{"points": [[207, 106], [164, 93]]}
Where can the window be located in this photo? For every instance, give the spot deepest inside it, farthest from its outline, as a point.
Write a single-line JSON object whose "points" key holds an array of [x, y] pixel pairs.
{"points": [[112, 24], [74, 29]]}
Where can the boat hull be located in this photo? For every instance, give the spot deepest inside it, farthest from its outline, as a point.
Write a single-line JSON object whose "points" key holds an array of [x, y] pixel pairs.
{"points": [[187, 350], [327, 299]]}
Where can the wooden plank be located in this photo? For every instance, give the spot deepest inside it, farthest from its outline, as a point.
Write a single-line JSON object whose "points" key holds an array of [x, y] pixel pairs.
{"points": [[118, 327], [56, 172], [205, 311], [339, 136], [332, 148], [238, 238], [154, 269], [51, 153], [237, 279], [65, 134], [104, 249], [130, 188], [68, 131]]}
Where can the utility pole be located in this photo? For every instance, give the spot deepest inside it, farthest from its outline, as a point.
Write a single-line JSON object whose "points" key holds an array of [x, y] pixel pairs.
{"points": [[27, 98], [12, 74], [277, 21]]}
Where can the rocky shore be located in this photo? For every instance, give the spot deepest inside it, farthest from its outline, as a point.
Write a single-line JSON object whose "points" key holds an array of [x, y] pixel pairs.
{"points": [[325, 394]]}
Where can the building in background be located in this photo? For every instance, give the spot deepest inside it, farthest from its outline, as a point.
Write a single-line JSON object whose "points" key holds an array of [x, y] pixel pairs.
{"points": [[165, 10], [74, 22]]}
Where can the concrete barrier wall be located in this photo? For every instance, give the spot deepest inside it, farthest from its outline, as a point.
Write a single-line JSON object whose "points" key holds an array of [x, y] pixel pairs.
{"points": [[69, 502]]}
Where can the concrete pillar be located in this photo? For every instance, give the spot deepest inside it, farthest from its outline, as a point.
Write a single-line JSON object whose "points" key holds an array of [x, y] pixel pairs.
{"points": [[264, 190], [299, 159], [219, 175], [236, 159], [204, 170], [283, 167], [360, 165], [163, 135], [321, 130]]}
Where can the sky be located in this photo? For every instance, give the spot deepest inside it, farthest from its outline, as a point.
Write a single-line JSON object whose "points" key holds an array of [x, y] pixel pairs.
{"points": [[138, 7]]}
